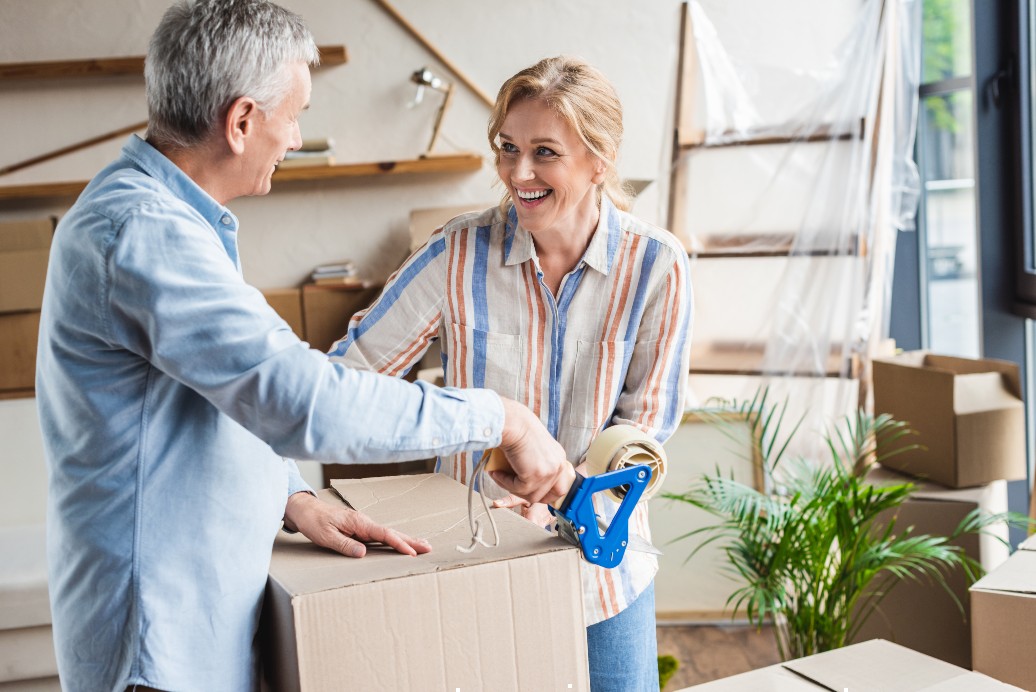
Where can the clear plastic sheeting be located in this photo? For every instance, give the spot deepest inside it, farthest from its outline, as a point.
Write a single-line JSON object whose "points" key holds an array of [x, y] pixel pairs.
{"points": [[791, 188]]}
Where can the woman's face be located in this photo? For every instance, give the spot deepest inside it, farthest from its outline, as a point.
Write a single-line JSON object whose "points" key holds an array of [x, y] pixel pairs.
{"points": [[549, 172]]}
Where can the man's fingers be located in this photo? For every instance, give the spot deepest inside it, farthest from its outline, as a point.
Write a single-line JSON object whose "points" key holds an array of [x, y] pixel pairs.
{"points": [[364, 528], [347, 546]]}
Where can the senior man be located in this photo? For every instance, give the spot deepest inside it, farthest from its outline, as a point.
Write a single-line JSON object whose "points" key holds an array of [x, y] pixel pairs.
{"points": [[168, 389]]}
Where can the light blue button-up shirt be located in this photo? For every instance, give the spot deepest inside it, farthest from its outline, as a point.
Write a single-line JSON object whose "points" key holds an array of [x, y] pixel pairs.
{"points": [[168, 390]]}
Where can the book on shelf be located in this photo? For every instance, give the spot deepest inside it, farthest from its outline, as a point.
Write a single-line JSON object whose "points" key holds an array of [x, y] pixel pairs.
{"points": [[307, 161], [348, 281], [320, 144]]}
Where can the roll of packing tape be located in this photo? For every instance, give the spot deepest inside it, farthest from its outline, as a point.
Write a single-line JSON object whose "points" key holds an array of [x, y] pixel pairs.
{"points": [[624, 445]]}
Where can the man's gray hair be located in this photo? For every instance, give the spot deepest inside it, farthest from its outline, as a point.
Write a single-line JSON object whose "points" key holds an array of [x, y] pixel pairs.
{"points": [[205, 54]]}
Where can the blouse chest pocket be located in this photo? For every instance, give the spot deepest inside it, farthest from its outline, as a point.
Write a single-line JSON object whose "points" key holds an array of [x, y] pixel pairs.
{"points": [[600, 371], [477, 358]]}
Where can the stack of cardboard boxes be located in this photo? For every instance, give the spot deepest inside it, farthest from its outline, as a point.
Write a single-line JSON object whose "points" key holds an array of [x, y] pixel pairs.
{"points": [[970, 423], [24, 251]]}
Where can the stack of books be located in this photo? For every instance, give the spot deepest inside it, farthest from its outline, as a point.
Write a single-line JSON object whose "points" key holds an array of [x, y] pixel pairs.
{"points": [[341, 273], [313, 152]]}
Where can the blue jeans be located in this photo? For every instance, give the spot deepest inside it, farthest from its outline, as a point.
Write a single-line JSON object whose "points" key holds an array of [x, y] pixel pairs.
{"points": [[623, 650]]}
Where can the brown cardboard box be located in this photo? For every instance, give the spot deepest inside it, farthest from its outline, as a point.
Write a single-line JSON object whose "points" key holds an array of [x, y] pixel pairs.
{"points": [[287, 302], [19, 332], [920, 614], [1003, 619], [24, 251], [875, 665], [968, 413], [327, 309], [504, 618]]}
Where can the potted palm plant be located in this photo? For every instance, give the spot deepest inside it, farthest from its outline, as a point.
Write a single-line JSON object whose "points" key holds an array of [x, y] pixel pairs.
{"points": [[815, 547]]}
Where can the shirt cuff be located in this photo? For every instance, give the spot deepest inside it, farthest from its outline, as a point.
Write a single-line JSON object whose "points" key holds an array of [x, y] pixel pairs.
{"points": [[487, 417]]}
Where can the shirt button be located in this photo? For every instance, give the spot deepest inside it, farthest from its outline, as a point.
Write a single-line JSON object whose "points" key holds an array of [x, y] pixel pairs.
{"points": [[436, 441], [488, 432], [225, 220]]}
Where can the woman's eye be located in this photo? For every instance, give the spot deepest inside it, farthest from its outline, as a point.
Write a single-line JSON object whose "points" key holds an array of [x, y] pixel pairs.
{"points": [[509, 148], [544, 151]]}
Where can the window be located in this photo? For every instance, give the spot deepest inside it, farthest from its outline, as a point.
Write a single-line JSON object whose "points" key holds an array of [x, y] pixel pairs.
{"points": [[947, 235]]}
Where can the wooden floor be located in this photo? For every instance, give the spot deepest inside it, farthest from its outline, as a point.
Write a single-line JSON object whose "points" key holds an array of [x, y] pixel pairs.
{"points": [[710, 652]]}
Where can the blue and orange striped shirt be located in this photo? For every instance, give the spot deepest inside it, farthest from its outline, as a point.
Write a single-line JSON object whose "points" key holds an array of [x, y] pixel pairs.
{"points": [[612, 347]]}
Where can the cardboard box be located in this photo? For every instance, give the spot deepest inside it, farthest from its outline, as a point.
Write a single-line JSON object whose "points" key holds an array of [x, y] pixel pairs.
{"points": [[326, 311], [1003, 619], [869, 666], [504, 618], [19, 332], [287, 302], [919, 614], [968, 413], [24, 251]]}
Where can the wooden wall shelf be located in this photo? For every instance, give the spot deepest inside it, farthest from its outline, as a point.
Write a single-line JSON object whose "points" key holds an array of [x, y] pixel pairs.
{"points": [[113, 67], [454, 163]]}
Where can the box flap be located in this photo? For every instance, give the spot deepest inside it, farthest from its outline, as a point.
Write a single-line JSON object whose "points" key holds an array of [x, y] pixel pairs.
{"points": [[1028, 544], [774, 678], [969, 366], [983, 391], [882, 665], [429, 506], [1017, 575]]}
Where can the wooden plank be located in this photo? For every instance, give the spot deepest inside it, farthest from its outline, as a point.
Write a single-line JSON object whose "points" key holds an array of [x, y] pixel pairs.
{"points": [[456, 163], [687, 133], [114, 67], [744, 245], [823, 133], [746, 359], [452, 163]]}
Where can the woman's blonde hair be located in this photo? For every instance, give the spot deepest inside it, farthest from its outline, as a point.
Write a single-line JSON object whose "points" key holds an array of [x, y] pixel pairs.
{"points": [[584, 98]]}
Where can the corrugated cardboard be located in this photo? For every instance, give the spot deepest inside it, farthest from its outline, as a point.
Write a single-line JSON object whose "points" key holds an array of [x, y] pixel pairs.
{"points": [[872, 666], [920, 614], [19, 332], [968, 413], [505, 618], [287, 302], [24, 250], [326, 311], [1003, 619]]}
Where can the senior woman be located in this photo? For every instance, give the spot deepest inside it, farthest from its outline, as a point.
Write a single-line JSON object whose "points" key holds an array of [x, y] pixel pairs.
{"points": [[562, 300]]}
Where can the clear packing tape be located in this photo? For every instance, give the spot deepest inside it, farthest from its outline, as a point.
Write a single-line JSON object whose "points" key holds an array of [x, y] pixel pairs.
{"points": [[793, 236]]}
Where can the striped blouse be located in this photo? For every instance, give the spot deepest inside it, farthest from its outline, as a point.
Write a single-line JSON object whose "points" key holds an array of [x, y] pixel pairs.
{"points": [[612, 347]]}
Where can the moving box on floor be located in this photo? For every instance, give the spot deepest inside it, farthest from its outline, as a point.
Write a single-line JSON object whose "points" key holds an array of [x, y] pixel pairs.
{"points": [[920, 614], [873, 666], [1003, 619]]}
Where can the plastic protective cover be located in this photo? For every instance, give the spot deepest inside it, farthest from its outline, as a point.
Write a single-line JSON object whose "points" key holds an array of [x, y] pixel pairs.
{"points": [[800, 176]]}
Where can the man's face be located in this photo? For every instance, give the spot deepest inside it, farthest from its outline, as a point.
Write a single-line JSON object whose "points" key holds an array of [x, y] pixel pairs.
{"points": [[276, 132]]}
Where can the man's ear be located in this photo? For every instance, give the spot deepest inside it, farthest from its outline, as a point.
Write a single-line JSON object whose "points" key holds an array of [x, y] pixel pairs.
{"points": [[240, 123]]}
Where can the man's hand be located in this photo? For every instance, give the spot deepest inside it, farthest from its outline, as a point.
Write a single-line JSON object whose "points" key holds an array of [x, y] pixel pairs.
{"points": [[342, 529], [539, 470]]}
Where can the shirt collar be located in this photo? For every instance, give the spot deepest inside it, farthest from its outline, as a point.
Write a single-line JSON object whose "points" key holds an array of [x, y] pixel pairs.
{"points": [[599, 255], [155, 164]]}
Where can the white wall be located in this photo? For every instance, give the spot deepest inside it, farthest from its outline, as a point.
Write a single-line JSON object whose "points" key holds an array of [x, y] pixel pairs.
{"points": [[362, 105]]}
